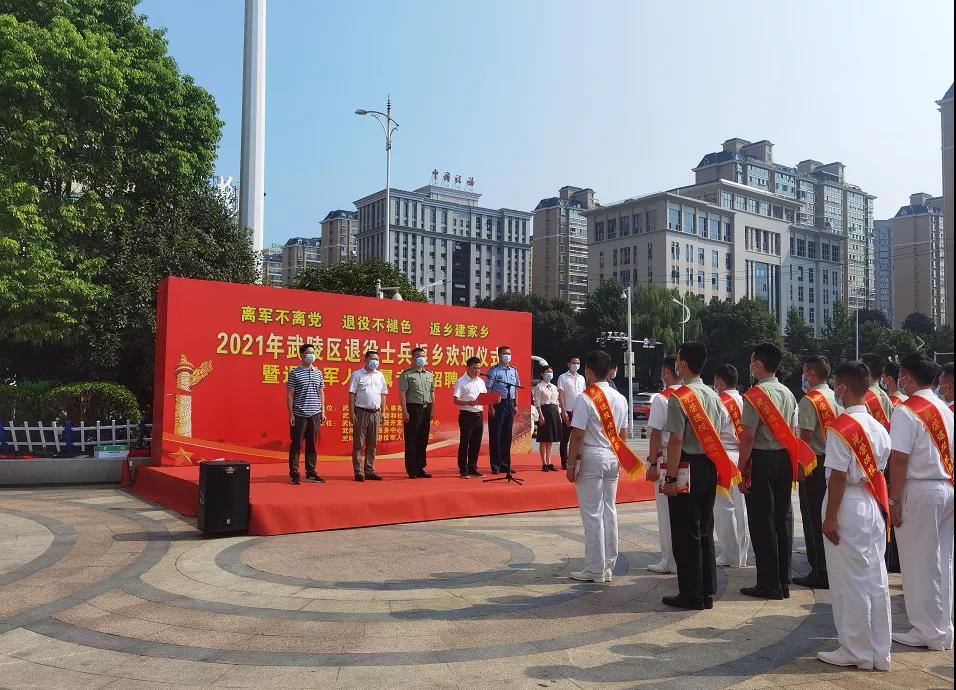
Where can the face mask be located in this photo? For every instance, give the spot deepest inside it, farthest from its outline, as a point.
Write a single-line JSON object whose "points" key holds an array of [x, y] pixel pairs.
{"points": [[939, 393], [506, 359], [547, 376], [752, 374], [419, 361], [574, 368], [309, 358], [804, 384], [882, 385], [901, 385], [373, 364], [839, 397]]}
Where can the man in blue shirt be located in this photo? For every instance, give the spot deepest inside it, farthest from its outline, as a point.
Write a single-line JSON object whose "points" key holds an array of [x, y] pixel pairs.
{"points": [[503, 379]]}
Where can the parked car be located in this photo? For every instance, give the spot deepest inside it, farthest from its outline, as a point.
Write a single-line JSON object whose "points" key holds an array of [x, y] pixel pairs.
{"points": [[642, 406]]}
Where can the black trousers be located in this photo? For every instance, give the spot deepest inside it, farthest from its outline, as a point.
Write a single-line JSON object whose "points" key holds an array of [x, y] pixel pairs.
{"points": [[416, 437], [565, 441], [309, 428], [500, 429], [811, 491], [471, 429], [692, 529], [892, 556], [770, 516]]}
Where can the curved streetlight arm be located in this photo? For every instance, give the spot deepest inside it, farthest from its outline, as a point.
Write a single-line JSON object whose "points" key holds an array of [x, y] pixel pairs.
{"points": [[378, 115]]}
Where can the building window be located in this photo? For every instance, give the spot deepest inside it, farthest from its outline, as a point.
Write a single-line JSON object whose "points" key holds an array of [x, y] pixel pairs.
{"points": [[700, 256], [714, 258], [700, 280], [811, 250], [689, 253], [611, 228], [810, 275], [688, 276], [650, 251], [625, 225], [800, 273], [713, 281], [812, 317], [800, 293], [730, 283], [614, 261], [715, 228], [599, 231], [673, 219], [689, 221]]}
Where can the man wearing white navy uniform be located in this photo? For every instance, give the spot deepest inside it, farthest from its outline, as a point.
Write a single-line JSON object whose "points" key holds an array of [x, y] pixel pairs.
{"points": [[570, 386], [730, 512], [657, 420], [921, 505], [854, 527]]}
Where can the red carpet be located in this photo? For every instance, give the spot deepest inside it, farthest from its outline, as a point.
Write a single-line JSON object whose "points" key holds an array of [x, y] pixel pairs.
{"points": [[277, 507]]}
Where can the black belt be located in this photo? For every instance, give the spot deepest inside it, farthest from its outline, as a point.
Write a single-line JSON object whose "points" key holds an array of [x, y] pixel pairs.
{"points": [[418, 404], [365, 409], [468, 412]]}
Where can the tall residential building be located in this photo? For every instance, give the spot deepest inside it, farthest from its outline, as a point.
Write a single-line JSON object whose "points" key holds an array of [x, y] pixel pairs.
{"points": [[946, 112], [441, 238], [298, 254], [723, 240], [883, 267], [338, 237], [826, 203], [919, 259], [272, 265], [559, 253]]}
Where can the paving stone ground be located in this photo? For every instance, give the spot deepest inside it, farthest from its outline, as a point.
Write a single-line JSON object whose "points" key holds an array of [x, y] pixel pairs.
{"points": [[101, 590]]}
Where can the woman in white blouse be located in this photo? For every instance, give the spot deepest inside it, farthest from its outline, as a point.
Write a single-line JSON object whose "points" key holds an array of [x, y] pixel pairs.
{"points": [[545, 399]]}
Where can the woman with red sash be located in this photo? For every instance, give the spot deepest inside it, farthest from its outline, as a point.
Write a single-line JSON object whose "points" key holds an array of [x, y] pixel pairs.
{"points": [[854, 527], [921, 505]]}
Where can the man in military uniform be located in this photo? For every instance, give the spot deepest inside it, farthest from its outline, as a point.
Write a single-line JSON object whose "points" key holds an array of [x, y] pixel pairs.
{"points": [[416, 390], [817, 410], [877, 401], [768, 475]]}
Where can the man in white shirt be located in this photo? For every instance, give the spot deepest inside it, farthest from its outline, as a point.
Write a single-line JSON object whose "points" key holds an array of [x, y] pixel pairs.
{"points": [[657, 420], [470, 418], [921, 505], [367, 391], [730, 512], [593, 468], [570, 386], [854, 527]]}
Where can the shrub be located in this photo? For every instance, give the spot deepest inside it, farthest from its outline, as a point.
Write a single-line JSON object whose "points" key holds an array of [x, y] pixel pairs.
{"points": [[26, 401], [92, 401]]}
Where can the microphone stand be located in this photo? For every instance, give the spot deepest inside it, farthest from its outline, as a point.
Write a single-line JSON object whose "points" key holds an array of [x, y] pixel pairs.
{"points": [[509, 477]]}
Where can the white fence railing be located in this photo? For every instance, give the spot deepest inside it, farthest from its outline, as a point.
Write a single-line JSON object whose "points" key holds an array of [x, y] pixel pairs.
{"points": [[69, 439]]}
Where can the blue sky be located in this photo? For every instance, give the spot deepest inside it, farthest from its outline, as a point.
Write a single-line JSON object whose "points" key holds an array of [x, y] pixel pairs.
{"points": [[527, 96]]}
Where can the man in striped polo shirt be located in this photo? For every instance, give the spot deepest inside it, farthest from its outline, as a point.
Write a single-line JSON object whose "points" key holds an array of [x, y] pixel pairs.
{"points": [[304, 400]]}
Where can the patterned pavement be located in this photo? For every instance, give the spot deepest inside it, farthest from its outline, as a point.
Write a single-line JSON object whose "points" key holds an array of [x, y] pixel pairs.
{"points": [[98, 589]]}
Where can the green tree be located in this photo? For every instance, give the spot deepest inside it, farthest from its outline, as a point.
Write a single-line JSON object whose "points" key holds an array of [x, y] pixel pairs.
{"points": [[732, 330], [838, 340], [799, 337], [358, 278], [918, 322], [888, 342]]}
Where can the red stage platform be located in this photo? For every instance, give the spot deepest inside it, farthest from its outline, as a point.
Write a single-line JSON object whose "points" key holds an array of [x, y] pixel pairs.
{"points": [[277, 507]]}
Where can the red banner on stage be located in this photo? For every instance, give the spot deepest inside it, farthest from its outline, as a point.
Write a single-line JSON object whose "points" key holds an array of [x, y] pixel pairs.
{"points": [[224, 350]]}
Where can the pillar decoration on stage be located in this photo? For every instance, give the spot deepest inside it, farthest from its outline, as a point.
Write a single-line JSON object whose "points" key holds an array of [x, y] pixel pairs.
{"points": [[186, 377]]}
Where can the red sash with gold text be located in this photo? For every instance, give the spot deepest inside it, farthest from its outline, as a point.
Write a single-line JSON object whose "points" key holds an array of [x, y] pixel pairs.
{"points": [[875, 408], [733, 409], [727, 472], [825, 414], [799, 451], [933, 421], [630, 463], [852, 433]]}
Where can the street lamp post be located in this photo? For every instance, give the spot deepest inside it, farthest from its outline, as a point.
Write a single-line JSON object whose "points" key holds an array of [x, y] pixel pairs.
{"points": [[686, 316], [389, 125], [380, 291], [630, 365]]}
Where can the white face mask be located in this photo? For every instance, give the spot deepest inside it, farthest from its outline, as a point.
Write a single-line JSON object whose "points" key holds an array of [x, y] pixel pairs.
{"points": [[574, 367], [547, 376]]}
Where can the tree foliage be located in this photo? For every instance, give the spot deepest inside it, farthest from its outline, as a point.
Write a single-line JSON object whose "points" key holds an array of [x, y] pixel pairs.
{"points": [[917, 322], [555, 334], [358, 278], [732, 330]]}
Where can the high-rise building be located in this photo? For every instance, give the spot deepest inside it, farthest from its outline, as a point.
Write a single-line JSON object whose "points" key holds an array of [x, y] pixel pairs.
{"points": [[946, 113], [827, 203], [559, 253], [272, 265], [338, 237], [883, 267], [446, 244], [298, 254], [919, 259]]}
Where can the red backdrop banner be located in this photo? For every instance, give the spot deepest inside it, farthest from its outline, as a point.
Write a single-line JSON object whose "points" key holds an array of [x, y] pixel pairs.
{"points": [[223, 352]]}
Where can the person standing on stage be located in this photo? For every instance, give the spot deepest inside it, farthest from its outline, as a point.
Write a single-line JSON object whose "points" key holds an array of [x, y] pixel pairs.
{"points": [[470, 418], [768, 474], [921, 505], [945, 387], [367, 391], [304, 400], [504, 380], [570, 386], [657, 420], [416, 391], [730, 511], [856, 451], [594, 462], [877, 401], [890, 381], [544, 396], [817, 410], [695, 417]]}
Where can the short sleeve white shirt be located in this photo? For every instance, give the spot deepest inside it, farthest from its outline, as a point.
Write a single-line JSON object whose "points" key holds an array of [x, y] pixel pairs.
{"points": [[911, 436], [369, 387], [727, 433], [840, 457], [657, 419], [586, 417], [572, 385], [467, 388]]}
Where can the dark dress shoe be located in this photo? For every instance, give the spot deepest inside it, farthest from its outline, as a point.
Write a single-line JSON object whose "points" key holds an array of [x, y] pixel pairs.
{"points": [[808, 581], [785, 592], [763, 593], [424, 475], [475, 473], [294, 481], [360, 477], [374, 477], [708, 602], [680, 602], [314, 478]]}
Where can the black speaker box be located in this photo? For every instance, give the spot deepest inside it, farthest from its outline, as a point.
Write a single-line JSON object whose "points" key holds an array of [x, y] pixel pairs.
{"points": [[223, 496]]}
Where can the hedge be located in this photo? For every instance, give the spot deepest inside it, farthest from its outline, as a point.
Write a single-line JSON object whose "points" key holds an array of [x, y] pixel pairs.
{"points": [[88, 401]]}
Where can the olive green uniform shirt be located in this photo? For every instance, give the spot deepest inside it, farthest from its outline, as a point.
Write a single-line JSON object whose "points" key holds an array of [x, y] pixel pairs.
{"points": [[885, 402], [677, 422], [807, 417], [419, 386], [781, 398]]}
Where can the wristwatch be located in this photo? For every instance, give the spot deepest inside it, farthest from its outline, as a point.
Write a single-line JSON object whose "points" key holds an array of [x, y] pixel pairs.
{"points": [[670, 480], [894, 502]]}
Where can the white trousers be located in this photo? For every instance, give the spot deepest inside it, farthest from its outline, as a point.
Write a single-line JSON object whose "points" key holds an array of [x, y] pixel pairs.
{"points": [[730, 526], [664, 528], [925, 543], [859, 586], [596, 486]]}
